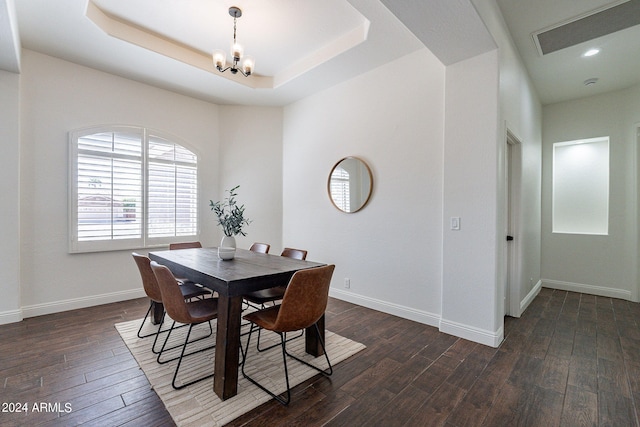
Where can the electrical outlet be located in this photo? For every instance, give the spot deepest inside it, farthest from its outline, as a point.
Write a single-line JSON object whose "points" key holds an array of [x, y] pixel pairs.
{"points": [[347, 283]]}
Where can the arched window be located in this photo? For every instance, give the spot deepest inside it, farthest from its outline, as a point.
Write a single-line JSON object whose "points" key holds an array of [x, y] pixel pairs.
{"points": [[130, 188]]}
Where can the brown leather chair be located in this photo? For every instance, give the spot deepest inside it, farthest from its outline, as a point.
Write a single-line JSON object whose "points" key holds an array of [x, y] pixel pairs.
{"points": [[263, 296], [184, 245], [294, 253], [190, 313], [150, 285], [262, 248], [304, 303]]}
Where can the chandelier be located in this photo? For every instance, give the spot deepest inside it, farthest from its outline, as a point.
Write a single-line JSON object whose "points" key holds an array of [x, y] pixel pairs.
{"points": [[220, 56]]}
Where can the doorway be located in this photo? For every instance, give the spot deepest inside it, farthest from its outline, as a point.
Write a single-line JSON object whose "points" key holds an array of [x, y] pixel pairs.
{"points": [[635, 295], [513, 174]]}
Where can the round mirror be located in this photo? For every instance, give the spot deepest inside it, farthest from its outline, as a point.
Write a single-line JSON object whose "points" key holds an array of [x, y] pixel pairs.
{"points": [[350, 184]]}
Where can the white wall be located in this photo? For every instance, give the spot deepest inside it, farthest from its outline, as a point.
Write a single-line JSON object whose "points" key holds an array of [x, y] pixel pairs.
{"points": [[470, 255], [10, 191], [601, 265], [484, 96], [58, 96], [521, 114], [391, 250], [479, 111], [251, 154]]}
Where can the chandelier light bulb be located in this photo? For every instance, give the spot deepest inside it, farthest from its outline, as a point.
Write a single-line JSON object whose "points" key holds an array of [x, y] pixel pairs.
{"points": [[247, 65], [236, 51], [219, 59]]}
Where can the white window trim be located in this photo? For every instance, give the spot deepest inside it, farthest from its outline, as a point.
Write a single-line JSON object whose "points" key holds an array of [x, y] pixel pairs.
{"points": [[76, 246]]}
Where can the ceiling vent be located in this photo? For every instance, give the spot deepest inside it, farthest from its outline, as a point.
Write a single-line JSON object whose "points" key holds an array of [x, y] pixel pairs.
{"points": [[588, 27]]}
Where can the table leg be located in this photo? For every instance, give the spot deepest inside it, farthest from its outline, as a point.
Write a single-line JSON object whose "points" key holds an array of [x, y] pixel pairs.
{"points": [[312, 344], [225, 380], [157, 310]]}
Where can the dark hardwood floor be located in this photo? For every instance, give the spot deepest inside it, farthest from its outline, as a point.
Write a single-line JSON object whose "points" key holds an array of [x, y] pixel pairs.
{"points": [[570, 360]]}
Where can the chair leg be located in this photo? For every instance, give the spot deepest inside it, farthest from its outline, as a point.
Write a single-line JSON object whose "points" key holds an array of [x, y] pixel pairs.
{"points": [[160, 331], [164, 345], [285, 353], [326, 372], [175, 374], [245, 306], [286, 372], [276, 344], [157, 333], [146, 316], [155, 340]]}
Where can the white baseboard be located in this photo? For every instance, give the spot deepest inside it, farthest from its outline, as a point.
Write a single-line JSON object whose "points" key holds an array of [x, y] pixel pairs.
{"points": [[463, 331], [419, 316], [76, 303], [530, 297], [471, 333], [587, 289], [10, 316]]}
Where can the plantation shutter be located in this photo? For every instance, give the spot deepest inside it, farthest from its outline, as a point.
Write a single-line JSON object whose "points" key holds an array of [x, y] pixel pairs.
{"points": [[173, 189], [130, 189], [109, 186], [340, 189]]}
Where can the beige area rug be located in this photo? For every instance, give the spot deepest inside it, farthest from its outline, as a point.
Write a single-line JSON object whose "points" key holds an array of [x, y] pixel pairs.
{"points": [[197, 404]]}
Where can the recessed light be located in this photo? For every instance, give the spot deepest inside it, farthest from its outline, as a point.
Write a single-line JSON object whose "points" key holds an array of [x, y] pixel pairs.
{"points": [[591, 52]]}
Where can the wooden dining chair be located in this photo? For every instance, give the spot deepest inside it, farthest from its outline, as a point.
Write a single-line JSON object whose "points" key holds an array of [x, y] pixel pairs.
{"points": [[303, 304], [151, 288], [189, 313], [262, 248], [260, 298]]}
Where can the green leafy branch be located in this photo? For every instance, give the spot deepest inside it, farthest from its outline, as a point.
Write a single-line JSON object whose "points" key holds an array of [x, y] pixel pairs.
{"points": [[230, 215]]}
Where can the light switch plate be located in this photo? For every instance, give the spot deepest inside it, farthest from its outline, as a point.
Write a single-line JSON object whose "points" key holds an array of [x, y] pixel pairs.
{"points": [[455, 223]]}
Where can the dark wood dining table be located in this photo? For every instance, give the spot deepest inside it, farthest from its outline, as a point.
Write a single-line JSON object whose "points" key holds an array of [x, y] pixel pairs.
{"points": [[248, 271]]}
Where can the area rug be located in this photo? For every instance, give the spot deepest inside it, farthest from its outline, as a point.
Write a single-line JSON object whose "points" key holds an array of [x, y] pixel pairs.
{"points": [[197, 404]]}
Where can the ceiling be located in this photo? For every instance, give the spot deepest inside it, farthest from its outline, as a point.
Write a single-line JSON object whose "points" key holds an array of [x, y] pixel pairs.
{"points": [[302, 46], [560, 75]]}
